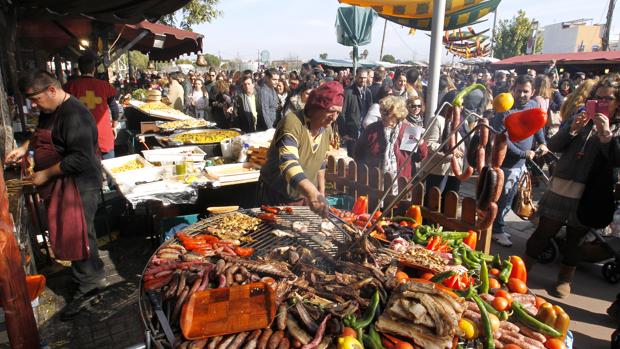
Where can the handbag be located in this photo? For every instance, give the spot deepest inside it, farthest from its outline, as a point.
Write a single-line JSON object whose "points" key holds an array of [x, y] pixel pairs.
{"points": [[522, 204]]}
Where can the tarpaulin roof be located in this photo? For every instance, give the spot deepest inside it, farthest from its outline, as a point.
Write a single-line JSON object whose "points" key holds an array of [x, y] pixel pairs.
{"points": [[110, 11], [57, 35], [582, 58], [347, 63]]}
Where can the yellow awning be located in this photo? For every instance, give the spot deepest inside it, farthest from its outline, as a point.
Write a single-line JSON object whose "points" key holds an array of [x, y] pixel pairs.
{"points": [[412, 9]]}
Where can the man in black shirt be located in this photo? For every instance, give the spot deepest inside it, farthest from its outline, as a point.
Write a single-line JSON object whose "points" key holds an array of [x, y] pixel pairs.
{"points": [[65, 146]]}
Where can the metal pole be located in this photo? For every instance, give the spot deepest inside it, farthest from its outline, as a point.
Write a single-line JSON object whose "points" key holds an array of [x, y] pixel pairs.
{"points": [[493, 32], [383, 40], [610, 13], [439, 11]]}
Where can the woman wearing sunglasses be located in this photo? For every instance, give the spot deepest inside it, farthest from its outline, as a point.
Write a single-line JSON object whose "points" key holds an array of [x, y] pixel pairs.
{"points": [[579, 195], [415, 107]]}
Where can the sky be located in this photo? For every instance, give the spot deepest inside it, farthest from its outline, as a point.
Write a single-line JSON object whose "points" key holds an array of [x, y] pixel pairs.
{"points": [[305, 29]]}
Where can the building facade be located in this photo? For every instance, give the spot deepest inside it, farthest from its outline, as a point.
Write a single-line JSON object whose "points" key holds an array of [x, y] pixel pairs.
{"points": [[573, 36]]}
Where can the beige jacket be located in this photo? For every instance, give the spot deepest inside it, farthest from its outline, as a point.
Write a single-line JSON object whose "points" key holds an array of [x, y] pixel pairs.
{"points": [[176, 95], [433, 139]]}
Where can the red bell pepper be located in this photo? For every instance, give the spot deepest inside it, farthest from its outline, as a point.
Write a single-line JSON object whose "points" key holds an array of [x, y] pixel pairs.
{"points": [[361, 205], [523, 124], [244, 251], [518, 269], [471, 239]]}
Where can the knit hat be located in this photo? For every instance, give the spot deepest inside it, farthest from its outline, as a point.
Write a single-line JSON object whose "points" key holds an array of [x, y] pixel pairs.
{"points": [[325, 96]]}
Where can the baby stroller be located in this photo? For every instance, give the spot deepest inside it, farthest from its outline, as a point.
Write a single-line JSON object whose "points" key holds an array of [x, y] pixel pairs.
{"points": [[599, 246]]}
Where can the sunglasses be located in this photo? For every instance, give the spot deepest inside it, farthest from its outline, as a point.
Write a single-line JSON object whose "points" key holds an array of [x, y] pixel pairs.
{"points": [[415, 106]]}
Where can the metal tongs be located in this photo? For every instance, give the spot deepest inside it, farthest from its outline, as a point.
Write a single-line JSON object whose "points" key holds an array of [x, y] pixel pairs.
{"points": [[420, 176]]}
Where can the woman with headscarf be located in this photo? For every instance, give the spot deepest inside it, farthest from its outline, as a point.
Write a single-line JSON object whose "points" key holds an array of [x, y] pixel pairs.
{"points": [[295, 170]]}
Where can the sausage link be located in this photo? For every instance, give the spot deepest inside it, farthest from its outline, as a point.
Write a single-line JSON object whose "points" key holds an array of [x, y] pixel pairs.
{"points": [[284, 343], [214, 342], [500, 184], [487, 217], [264, 338], [238, 340], [480, 159], [488, 190], [282, 314], [484, 132], [275, 340], [480, 184], [500, 146]]}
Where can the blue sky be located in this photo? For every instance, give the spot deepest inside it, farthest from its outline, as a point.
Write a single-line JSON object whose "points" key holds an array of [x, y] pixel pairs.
{"points": [[304, 29]]}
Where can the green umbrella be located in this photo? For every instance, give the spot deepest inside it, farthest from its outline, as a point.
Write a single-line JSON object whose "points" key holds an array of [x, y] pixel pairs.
{"points": [[354, 28]]}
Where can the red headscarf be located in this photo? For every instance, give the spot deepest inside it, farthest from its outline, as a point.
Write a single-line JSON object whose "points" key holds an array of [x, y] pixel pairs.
{"points": [[325, 96]]}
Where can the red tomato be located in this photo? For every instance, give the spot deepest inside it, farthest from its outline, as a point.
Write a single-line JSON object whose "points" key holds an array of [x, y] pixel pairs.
{"points": [[348, 331], [402, 277], [517, 286], [500, 303], [494, 284], [494, 272], [504, 294], [554, 343]]}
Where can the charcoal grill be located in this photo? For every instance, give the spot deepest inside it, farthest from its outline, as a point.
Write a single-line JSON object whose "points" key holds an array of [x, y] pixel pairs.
{"points": [[264, 242]]}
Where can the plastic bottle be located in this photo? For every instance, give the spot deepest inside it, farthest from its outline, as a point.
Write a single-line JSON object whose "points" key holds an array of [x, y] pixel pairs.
{"points": [[615, 224], [243, 154]]}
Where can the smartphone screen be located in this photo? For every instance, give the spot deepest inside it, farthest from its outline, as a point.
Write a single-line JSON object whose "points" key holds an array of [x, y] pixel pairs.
{"points": [[591, 107]]}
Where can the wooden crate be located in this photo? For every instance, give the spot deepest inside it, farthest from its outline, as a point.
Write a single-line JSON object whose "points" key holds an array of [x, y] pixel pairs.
{"points": [[459, 215]]}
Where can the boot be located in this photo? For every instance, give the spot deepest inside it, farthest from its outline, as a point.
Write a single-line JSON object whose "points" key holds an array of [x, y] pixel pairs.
{"points": [[561, 289]]}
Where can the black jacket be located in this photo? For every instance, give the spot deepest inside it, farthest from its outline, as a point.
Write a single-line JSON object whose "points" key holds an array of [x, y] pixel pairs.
{"points": [[353, 111], [244, 118]]}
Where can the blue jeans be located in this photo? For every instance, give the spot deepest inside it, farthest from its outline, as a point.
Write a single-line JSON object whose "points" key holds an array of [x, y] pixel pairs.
{"points": [[109, 179], [504, 204]]}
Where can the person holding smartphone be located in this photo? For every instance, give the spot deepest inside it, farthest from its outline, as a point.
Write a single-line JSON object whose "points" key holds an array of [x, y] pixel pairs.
{"points": [[582, 139]]}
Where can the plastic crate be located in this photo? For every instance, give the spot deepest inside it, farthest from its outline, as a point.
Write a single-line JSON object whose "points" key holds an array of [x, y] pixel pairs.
{"points": [[341, 201]]}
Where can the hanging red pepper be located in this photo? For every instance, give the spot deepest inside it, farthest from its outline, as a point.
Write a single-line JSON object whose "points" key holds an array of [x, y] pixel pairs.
{"points": [[471, 239], [361, 205], [523, 124]]}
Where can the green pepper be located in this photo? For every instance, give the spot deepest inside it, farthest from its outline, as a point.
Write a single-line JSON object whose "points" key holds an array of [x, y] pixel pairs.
{"points": [[497, 262], [456, 256], [470, 292], [504, 275], [420, 236], [458, 99], [349, 321], [399, 219], [484, 278], [472, 255], [521, 314], [439, 278], [374, 339], [451, 235], [369, 314], [470, 264], [486, 324]]}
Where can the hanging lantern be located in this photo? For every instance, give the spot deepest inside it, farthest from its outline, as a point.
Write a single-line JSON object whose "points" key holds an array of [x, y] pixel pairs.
{"points": [[201, 61], [151, 65]]}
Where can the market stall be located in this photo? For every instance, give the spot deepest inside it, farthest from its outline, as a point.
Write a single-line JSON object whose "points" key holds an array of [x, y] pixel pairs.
{"points": [[282, 277]]}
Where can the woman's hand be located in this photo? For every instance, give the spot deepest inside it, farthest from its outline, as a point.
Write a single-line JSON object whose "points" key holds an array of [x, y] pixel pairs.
{"points": [[601, 122], [578, 123], [16, 154], [318, 204]]}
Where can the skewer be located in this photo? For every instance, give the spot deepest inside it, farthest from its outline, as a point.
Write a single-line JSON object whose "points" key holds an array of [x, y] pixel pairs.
{"points": [[417, 178], [402, 167]]}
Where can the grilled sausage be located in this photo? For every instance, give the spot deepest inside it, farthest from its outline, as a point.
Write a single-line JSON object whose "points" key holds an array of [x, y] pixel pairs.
{"points": [[281, 317], [214, 342], [499, 188], [238, 340], [219, 266], [227, 341], [182, 282], [487, 217], [284, 343], [297, 332], [471, 152], [172, 289], [198, 344], [264, 338], [500, 146], [179, 304], [488, 190], [252, 341], [484, 132], [275, 339], [528, 332], [480, 184]]}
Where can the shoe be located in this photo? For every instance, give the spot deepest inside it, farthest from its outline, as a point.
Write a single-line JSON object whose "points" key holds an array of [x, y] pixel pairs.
{"points": [[561, 289], [79, 303], [502, 239]]}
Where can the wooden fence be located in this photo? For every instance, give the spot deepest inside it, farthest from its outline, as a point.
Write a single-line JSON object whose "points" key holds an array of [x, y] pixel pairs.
{"points": [[459, 215]]}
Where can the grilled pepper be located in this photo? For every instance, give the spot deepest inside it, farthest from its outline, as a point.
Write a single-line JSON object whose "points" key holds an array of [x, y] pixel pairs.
{"points": [[504, 275], [372, 339], [471, 239], [528, 320], [518, 268], [415, 212], [439, 278], [456, 256], [468, 262], [484, 278], [497, 262], [555, 317], [369, 314], [488, 341]]}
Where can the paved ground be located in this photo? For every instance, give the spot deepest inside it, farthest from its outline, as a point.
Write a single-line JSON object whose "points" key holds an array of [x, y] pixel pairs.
{"points": [[116, 322]]}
